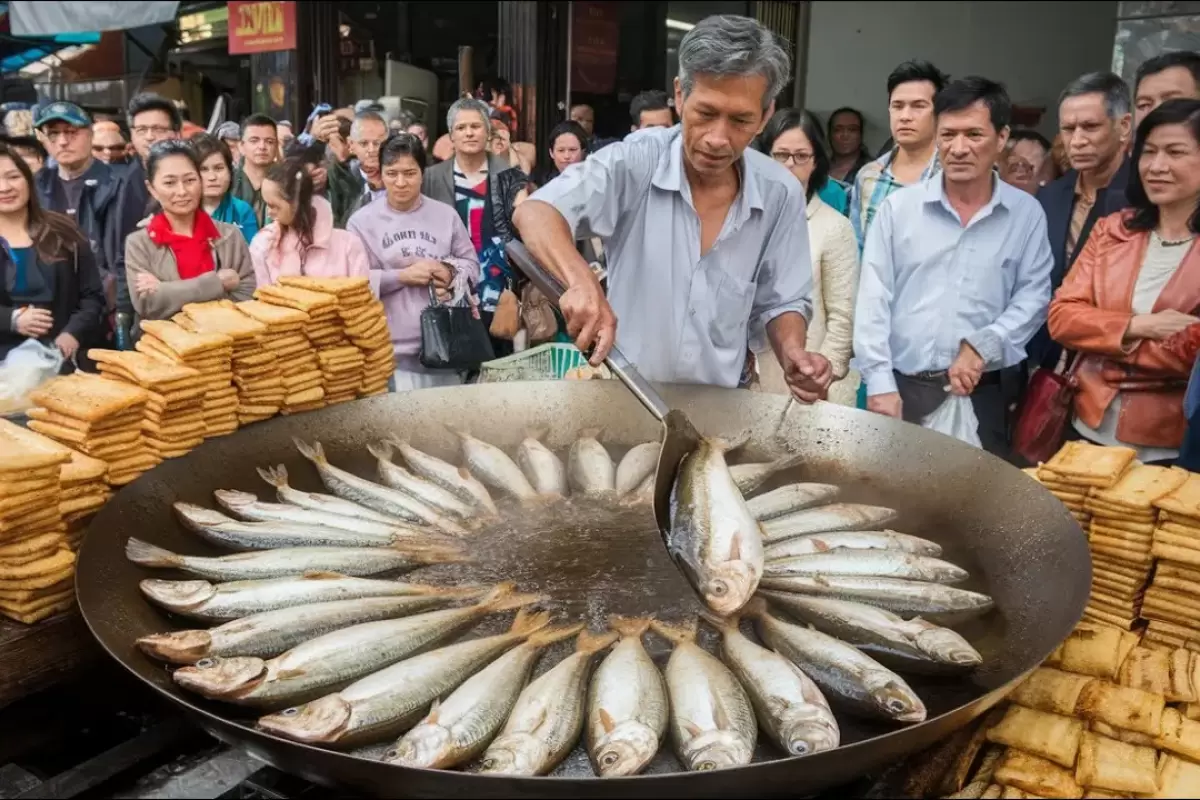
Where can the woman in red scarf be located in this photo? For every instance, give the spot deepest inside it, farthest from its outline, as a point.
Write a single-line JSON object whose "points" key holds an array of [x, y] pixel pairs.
{"points": [[182, 256]]}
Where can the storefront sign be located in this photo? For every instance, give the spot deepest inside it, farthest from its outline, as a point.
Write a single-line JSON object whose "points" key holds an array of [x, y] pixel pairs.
{"points": [[595, 33], [261, 27]]}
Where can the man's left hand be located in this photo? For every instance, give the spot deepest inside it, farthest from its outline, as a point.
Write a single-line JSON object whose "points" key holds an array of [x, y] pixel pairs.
{"points": [[808, 375], [966, 371], [68, 345]]}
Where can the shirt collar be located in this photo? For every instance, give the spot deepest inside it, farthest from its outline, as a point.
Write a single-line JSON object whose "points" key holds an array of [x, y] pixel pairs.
{"points": [[931, 169], [935, 193], [669, 174]]}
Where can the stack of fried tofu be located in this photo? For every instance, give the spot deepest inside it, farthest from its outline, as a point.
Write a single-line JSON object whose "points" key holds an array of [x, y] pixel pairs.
{"points": [[342, 370], [299, 368], [83, 491], [174, 422], [210, 354], [324, 326], [36, 565], [99, 417], [1120, 569], [1172, 602], [255, 369]]}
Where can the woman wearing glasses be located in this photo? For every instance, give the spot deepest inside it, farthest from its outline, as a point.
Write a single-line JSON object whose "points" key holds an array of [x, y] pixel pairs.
{"points": [[794, 139]]}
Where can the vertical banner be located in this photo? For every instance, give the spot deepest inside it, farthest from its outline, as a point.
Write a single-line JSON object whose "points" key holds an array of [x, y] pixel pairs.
{"points": [[261, 27], [595, 32]]}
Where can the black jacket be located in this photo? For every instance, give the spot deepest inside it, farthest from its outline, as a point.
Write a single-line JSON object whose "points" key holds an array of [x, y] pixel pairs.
{"points": [[1058, 200], [78, 305], [97, 214], [505, 182], [133, 206]]}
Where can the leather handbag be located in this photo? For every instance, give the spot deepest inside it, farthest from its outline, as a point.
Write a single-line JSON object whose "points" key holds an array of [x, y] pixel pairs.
{"points": [[506, 319], [453, 336], [537, 315], [1045, 413]]}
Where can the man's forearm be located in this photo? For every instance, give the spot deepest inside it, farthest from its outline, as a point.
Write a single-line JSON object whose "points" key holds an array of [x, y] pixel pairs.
{"points": [[788, 327], [549, 239]]}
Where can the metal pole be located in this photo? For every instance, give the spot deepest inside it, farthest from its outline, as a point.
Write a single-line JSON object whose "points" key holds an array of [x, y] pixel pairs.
{"points": [[566, 109], [800, 48]]}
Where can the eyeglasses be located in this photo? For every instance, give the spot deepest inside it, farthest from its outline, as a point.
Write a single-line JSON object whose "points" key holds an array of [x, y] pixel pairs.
{"points": [[799, 159], [114, 149], [157, 130]]}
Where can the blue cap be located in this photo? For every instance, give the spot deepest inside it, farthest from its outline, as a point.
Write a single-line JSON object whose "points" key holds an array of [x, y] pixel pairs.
{"points": [[64, 112]]}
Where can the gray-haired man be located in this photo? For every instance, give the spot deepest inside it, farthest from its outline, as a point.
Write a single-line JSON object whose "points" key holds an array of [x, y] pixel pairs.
{"points": [[706, 240], [353, 185]]}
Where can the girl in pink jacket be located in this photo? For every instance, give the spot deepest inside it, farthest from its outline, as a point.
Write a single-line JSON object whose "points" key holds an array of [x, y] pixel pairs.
{"points": [[301, 239]]}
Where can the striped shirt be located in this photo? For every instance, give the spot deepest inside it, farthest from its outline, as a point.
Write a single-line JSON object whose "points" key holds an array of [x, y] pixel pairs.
{"points": [[875, 183]]}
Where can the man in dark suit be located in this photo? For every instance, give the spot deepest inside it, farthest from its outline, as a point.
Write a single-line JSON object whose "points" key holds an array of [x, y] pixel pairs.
{"points": [[1096, 125]]}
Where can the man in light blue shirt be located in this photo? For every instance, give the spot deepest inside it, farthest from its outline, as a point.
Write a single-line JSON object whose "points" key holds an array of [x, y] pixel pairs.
{"points": [[706, 239], [955, 275]]}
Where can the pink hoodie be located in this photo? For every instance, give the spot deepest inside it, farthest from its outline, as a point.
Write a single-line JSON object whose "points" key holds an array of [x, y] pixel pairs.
{"points": [[333, 254]]}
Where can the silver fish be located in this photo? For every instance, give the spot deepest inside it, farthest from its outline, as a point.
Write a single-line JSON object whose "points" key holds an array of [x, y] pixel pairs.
{"points": [[215, 527], [389, 701], [325, 503], [331, 661], [712, 721], [827, 519], [912, 646], [368, 493], [289, 561], [451, 478], [852, 540], [933, 601], [789, 706], [248, 507], [713, 535], [627, 705], [790, 499], [270, 633], [643, 492], [846, 675], [869, 563], [589, 466], [544, 469], [637, 465], [494, 467], [546, 721], [749, 477], [217, 602], [397, 477], [460, 727]]}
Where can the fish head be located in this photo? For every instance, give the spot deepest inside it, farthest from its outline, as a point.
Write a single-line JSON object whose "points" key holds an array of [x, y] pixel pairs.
{"points": [[948, 647], [804, 732], [426, 745], [716, 749], [177, 647], [515, 754], [222, 677], [178, 594], [898, 701], [318, 722], [625, 750], [729, 585]]}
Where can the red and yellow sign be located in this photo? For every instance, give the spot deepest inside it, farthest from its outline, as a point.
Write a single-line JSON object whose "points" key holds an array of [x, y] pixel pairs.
{"points": [[261, 27]]}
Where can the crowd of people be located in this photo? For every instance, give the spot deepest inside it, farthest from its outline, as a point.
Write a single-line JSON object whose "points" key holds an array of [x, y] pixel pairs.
{"points": [[739, 246]]}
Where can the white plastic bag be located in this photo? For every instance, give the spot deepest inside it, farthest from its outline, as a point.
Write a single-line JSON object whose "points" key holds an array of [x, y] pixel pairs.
{"points": [[955, 417], [27, 366]]}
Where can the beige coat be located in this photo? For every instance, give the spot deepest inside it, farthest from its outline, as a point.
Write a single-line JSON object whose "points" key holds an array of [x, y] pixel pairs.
{"points": [[834, 255], [142, 254]]}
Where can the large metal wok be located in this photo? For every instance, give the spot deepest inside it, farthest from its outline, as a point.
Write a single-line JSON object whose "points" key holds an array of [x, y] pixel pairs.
{"points": [[1019, 543]]}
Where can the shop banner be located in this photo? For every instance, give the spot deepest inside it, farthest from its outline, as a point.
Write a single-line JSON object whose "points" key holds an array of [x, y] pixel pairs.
{"points": [[48, 19], [261, 27], [595, 35]]}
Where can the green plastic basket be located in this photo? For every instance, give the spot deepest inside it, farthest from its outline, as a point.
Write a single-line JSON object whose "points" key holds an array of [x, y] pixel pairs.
{"points": [[545, 362]]}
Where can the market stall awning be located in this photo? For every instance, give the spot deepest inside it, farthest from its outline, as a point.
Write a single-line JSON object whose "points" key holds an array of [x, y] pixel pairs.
{"points": [[49, 19], [18, 52]]}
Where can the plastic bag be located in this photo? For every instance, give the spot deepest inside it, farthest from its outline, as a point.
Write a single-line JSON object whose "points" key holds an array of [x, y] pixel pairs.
{"points": [[27, 366], [955, 417]]}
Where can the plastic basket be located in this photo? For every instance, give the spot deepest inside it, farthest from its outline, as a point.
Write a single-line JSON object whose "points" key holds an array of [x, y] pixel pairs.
{"points": [[546, 362]]}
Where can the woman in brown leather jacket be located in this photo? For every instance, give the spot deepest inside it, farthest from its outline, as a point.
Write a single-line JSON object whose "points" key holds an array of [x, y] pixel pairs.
{"points": [[1135, 285]]}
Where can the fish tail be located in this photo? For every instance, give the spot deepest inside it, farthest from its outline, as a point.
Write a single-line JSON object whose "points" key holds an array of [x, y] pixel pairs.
{"points": [[682, 633], [590, 643], [313, 452], [397, 442], [721, 624], [630, 627], [149, 555], [547, 637], [727, 445], [381, 450], [591, 433], [528, 622], [536, 433], [275, 476]]}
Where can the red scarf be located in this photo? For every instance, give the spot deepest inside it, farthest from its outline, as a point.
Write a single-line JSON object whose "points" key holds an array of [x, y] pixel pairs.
{"points": [[193, 254]]}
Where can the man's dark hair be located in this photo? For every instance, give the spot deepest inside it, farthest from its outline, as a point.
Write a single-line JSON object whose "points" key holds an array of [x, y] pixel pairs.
{"points": [[917, 70], [1026, 135], [148, 101], [965, 92], [1180, 111], [257, 120], [400, 145], [497, 85], [649, 100], [1109, 85], [1188, 59]]}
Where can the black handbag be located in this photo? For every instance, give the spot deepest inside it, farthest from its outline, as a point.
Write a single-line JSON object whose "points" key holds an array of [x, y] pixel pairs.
{"points": [[453, 336]]}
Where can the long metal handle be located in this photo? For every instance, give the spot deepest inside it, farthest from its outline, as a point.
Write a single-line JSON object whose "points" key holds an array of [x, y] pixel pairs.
{"points": [[548, 285]]}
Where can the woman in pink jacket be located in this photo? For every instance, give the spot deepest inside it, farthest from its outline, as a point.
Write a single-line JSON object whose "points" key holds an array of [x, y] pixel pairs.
{"points": [[301, 239]]}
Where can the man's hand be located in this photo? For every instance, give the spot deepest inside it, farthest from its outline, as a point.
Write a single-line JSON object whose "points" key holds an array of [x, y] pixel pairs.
{"points": [[1159, 326], [966, 371], [887, 404], [808, 375], [145, 284], [590, 319], [68, 345], [34, 322], [325, 128]]}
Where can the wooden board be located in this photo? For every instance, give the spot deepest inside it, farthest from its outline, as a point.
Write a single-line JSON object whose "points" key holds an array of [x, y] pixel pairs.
{"points": [[34, 657]]}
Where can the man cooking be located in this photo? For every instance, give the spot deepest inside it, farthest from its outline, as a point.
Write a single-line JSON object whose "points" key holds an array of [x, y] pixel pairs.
{"points": [[707, 246]]}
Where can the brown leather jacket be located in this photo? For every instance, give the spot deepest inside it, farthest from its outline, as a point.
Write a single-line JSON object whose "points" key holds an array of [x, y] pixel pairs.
{"points": [[1091, 312]]}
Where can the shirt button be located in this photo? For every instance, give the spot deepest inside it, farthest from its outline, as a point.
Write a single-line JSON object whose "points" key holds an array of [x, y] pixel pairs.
{"points": [[692, 311]]}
